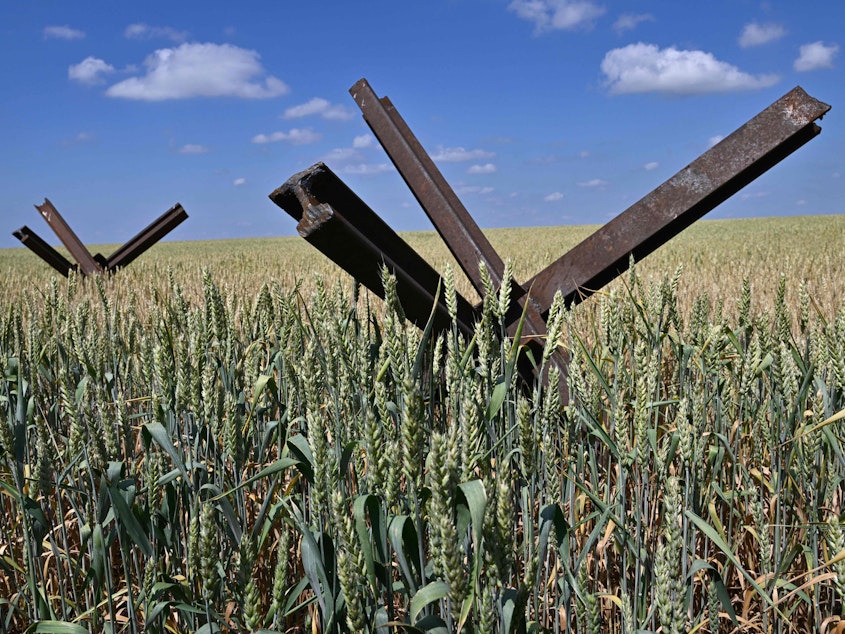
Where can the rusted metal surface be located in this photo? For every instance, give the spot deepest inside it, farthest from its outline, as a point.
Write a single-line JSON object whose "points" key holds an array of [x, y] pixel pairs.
{"points": [[151, 234], [87, 264], [719, 173], [39, 247], [97, 263], [337, 222], [447, 213], [708, 181]]}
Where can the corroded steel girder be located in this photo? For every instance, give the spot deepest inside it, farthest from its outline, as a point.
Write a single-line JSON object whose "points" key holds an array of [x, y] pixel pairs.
{"points": [[716, 175], [34, 243], [88, 263], [332, 218], [151, 234], [453, 222], [711, 179]]}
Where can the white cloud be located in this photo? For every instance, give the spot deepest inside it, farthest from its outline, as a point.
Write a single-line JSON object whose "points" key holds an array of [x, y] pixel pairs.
{"points": [[82, 137], [815, 55], [362, 141], [639, 68], [630, 21], [367, 169], [192, 148], [548, 15], [62, 33], [754, 34], [713, 140], [473, 189], [200, 70], [487, 168], [89, 71], [553, 197], [318, 106], [238, 182], [341, 154], [596, 182], [459, 154], [140, 31], [296, 136], [653, 165]]}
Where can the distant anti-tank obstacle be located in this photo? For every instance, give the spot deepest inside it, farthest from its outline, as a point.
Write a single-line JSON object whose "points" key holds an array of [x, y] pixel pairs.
{"points": [[88, 264], [332, 218]]}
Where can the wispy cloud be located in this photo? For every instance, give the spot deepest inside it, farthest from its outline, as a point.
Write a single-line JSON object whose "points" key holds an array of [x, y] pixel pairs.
{"points": [[815, 55], [296, 136], [63, 32], [640, 68], [596, 182], [653, 165], [487, 168], [200, 70], [342, 154], [192, 148], [549, 15], [713, 140], [363, 141], [238, 182], [630, 21], [460, 154], [366, 169], [90, 70], [478, 190], [553, 197], [79, 139], [140, 31], [320, 107], [754, 34]]}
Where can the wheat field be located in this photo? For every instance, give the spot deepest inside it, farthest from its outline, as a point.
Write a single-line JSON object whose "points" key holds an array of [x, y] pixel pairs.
{"points": [[230, 436]]}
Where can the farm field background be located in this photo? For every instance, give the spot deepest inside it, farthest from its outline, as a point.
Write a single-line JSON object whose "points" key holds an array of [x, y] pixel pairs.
{"points": [[716, 255], [225, 436]]}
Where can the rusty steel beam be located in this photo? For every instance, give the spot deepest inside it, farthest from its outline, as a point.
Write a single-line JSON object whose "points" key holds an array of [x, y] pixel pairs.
{"points": [[87, 264], [147, 237], [39, 247], [337, 222], [453, 222], [708, 181], [449, 216]]}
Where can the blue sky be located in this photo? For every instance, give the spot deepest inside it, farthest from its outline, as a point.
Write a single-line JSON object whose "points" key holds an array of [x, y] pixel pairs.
{"points": [[538, 112]]}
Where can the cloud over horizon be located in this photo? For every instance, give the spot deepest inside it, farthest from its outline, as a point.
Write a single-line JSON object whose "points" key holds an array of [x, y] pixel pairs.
{"points": [[141, 31], [630, 21], [63, 32], [487, 168], [754, 34], [550, 15], [459, 154], [296, 136], [321, 107], [89, 71], [200, 70], [193, 148], [641, 68], [814, 56]]}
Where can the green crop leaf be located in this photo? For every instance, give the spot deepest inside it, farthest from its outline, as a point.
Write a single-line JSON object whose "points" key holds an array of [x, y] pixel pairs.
{"points": [[434, 591]]}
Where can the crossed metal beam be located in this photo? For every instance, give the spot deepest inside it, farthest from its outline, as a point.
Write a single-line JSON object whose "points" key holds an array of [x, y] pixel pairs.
{"points": [[88, 264], [339, 224]]}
